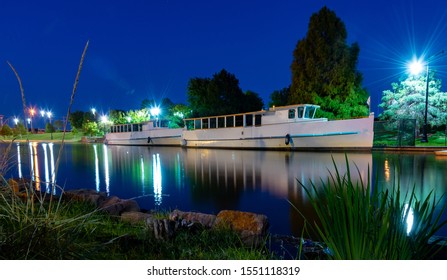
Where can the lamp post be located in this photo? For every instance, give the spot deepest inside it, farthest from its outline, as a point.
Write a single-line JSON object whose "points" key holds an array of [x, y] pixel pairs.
{"points": [[416, 67], [49, 115], [155, 111]]}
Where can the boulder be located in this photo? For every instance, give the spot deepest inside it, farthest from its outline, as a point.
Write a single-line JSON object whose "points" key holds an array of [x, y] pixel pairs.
{"points": [[252, 228], [114, 206], [135, 217], [86, 195], [191, 218]]}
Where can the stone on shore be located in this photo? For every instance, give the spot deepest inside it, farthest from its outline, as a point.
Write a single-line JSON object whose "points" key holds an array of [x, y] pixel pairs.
{"points": [[251, 227], [191, 218]]}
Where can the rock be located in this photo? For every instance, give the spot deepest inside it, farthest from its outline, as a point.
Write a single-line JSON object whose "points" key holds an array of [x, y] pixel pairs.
{"points": [[190, 218], [252, 228], [114, 206], [163, 229], [135, 217], [86, 195]]}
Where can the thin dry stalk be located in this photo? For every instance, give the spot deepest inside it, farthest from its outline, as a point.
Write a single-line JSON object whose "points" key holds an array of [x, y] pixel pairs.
{"points": [[22, 91], [75, 86]]}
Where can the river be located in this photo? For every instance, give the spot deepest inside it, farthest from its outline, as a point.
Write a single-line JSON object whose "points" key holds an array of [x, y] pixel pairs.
{"points": [[210, 180]]}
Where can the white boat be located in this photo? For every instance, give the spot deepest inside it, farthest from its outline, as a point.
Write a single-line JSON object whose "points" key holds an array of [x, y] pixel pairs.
{"points": [[147, 134], [289, 127]]}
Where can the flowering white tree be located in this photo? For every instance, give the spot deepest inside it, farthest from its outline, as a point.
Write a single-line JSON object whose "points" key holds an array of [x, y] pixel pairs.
{"points": [[406, 100]]}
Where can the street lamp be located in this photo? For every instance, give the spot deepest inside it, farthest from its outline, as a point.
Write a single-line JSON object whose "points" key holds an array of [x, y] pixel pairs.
{"points": [[49, 114], [416, 68], [155, 111]]}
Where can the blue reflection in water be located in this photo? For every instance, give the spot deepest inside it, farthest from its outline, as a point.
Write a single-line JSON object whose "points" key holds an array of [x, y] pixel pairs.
{"points": [[209, 180], [106, 169], [95, 149], [19, 161], [157, 179]]}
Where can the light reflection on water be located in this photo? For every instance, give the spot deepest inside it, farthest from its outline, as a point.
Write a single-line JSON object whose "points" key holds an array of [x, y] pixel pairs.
{"points": [[210, 180]]}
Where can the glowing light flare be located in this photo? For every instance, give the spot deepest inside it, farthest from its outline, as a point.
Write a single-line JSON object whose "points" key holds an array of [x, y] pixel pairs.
{"points": [[416, 67], [106, 169], [96, 168], [19, 161], [157, 179], [408, 217], [155, 111]]}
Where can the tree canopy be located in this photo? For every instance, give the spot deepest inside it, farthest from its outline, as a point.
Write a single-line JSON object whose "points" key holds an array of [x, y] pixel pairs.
{"points": [[324, 69], [220, 95], [406, 100]]}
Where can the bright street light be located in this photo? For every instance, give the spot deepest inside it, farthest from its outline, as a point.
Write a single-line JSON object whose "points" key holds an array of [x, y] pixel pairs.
{"points": [[155, 111], [416, 67]]}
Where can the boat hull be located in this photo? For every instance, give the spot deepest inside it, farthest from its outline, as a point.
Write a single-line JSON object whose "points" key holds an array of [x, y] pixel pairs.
{"points": [[155, 137], [350, 134]]}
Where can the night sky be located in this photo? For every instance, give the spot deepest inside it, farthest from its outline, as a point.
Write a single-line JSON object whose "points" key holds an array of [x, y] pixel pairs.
{"points": [[150, 49]]}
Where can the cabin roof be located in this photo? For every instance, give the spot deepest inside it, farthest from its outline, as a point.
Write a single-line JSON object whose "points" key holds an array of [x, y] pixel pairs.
{"points": [[272, 109]]}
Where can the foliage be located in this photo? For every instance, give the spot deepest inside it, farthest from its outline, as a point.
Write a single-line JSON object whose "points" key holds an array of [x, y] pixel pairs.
{"points": [[220, 95], [117, 116], [324, 69], [49, 128], [5, 130], [407, 100], [360, 222], [90, 128], [176, 115], [279, 97], [137, 116], [19, 129], [58, 125], [77, 119]]}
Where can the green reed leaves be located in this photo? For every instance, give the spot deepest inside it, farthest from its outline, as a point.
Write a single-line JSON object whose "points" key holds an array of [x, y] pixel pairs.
{"points": [[359, 221]]}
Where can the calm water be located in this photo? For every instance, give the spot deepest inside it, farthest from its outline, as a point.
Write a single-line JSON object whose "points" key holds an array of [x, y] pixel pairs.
{"points": [[209, 180]]}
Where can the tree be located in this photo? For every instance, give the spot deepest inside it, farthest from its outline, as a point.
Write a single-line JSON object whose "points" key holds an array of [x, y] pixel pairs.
{"points": [[5, 130], [19, 129], [324, 69], [77, 119], [58, 124], [279, 97], [218, 96], [90, 128], [49, 128], [407, 100], [253, 102]]}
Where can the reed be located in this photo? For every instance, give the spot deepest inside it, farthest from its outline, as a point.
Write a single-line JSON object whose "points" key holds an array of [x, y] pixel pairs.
{"points": [[358, 221]]}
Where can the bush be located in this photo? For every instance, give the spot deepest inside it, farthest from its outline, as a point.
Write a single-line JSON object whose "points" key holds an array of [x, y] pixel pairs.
{"points": [[361, 222]]}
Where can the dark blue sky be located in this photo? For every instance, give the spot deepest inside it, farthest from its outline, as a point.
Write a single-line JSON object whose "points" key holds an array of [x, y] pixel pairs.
{"points": [[150, 49]]}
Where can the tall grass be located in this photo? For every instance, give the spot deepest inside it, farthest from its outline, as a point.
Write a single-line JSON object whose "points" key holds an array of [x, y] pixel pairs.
{"points": [[30, 220], [358, 221]]}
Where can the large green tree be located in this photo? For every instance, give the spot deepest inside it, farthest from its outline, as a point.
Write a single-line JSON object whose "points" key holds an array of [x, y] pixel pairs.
{"points": [[220, 95], [324, 69], [406, 100], [279, 97]]}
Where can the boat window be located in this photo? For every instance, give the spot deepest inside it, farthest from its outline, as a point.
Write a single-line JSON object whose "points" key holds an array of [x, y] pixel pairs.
{"points": [[189, 124], [291, 113], [204, 123], [213, 123], [239, 120], [197, 124], [310, 111], [221, 122], [249, 120], [300, 112], [230, 121], [258, 119]]}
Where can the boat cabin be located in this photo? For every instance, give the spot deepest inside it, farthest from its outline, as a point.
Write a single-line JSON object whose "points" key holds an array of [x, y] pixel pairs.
{"points": [[133, 127], [275, 115]]}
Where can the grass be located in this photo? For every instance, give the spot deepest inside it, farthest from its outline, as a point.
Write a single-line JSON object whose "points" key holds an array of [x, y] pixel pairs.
{"points": [[358, 221], [54, 229], [57, 136]]}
